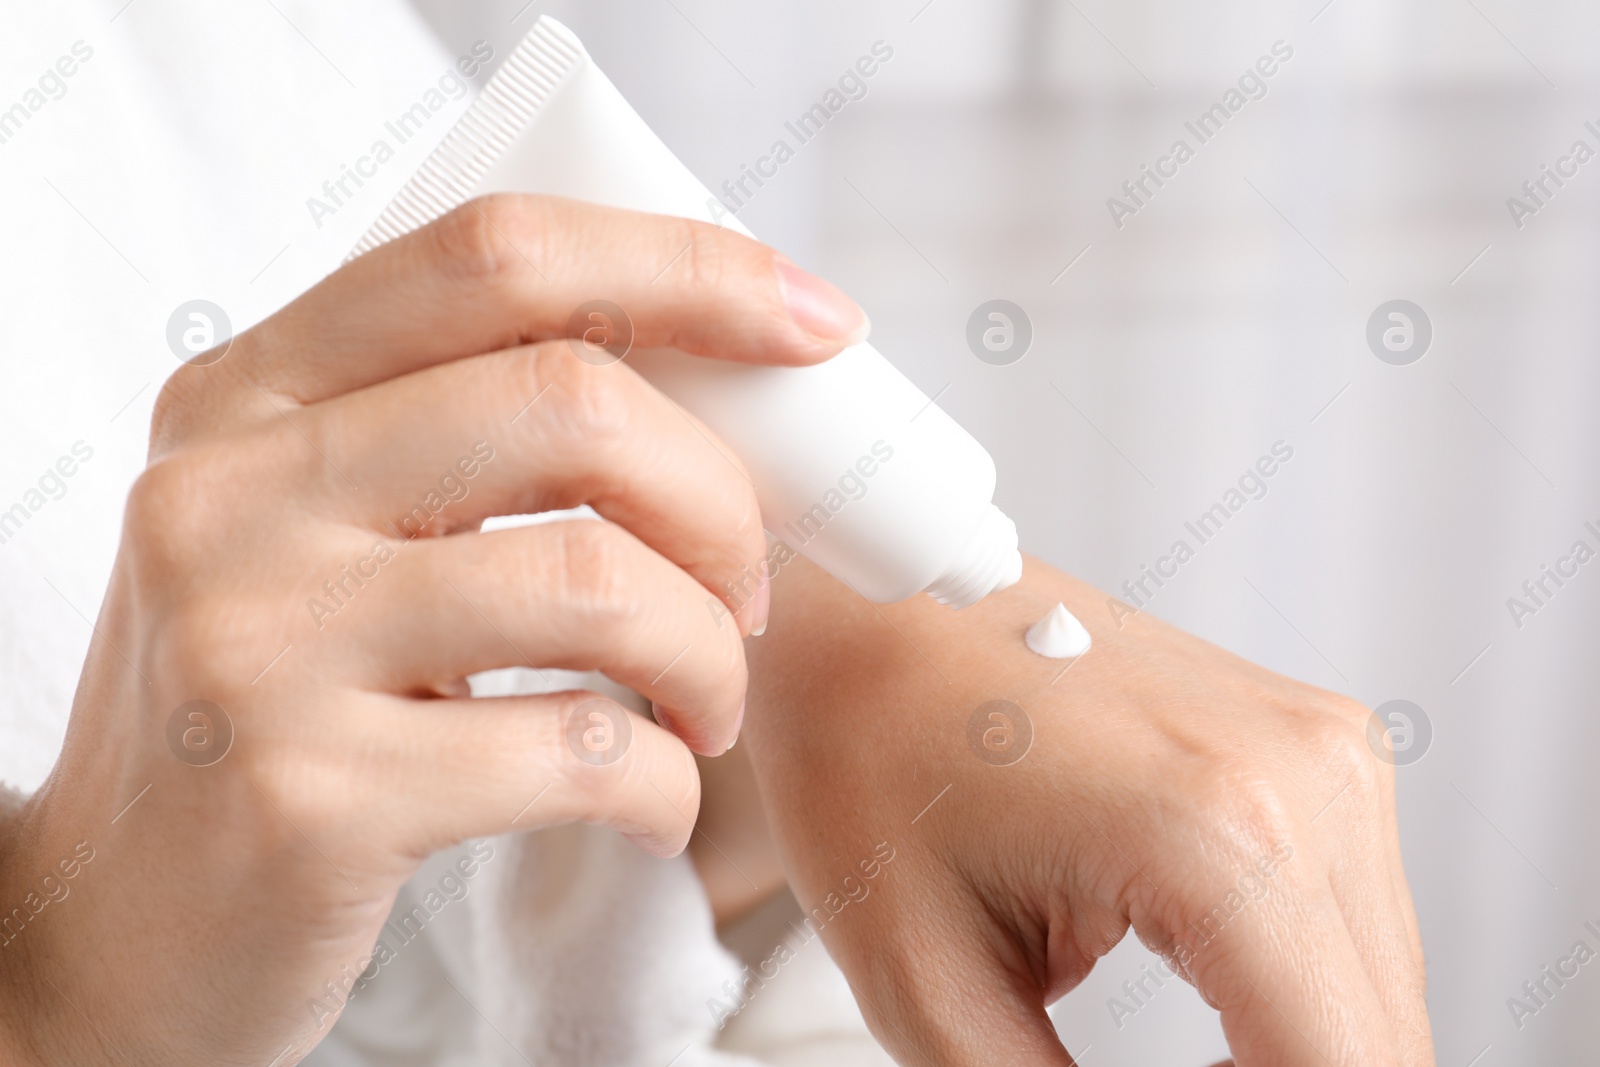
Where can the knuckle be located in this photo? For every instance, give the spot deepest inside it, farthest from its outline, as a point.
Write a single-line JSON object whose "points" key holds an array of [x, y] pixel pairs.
{"points": [[597, 749], [215, 644], [1345, 711], [171, 508], [203, 495], [579, 712], [591, 408], [1243, 841], [706, 253], [1341, 744], [173, 404], [181, 515], [197, 399], [1242, 814], [479, 240], [596, 564], [308, 791]]}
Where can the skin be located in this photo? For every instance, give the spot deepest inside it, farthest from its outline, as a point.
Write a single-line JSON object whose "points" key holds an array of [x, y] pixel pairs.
{"points": [[1166, 779], [733, 849], [355, 753]]}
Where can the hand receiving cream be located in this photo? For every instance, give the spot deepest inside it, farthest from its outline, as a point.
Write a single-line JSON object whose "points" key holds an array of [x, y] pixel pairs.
{"points": [[918, 518]]}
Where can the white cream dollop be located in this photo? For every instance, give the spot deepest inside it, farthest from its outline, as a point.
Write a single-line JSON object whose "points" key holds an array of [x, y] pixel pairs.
{"points": [[1059, 635]]}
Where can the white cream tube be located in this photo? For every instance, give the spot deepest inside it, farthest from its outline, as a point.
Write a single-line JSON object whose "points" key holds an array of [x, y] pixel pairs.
{"points": [[854, 466]]}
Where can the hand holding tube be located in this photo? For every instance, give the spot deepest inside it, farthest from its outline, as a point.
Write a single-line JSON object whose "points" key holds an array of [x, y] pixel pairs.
{"points": [[271, 731]]}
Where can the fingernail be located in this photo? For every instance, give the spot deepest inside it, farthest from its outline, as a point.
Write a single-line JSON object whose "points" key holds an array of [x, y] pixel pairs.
{"points": [[738, 724], [663, 719], [762, 603], [819, 308]]}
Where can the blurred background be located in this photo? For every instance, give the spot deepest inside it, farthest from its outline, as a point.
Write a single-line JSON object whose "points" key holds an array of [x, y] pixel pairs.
{"points": [[1175, 340], [1230, 312]]}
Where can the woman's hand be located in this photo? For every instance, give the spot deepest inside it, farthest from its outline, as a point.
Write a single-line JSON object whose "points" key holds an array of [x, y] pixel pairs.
{"points": [[1238, 821], [272, 728]]}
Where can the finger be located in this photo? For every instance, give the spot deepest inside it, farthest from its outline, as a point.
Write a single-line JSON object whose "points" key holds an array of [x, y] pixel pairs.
{"points": [[952, 998], [1288, 981], [575, 595], [480, 767], [507, 269], [1376, 920], [1400, 889], [590, 435], [1368, 882]]}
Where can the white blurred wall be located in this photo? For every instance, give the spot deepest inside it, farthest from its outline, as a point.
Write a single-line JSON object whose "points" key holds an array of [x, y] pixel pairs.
{"points": [[1224, 317]]}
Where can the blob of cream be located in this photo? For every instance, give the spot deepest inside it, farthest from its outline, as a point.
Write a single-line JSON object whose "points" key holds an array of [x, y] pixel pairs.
{"points": [[1059, 635]]}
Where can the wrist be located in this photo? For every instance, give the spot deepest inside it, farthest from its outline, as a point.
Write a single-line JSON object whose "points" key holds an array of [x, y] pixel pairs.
{"points": [[20, 1011], [43, 1012]]}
